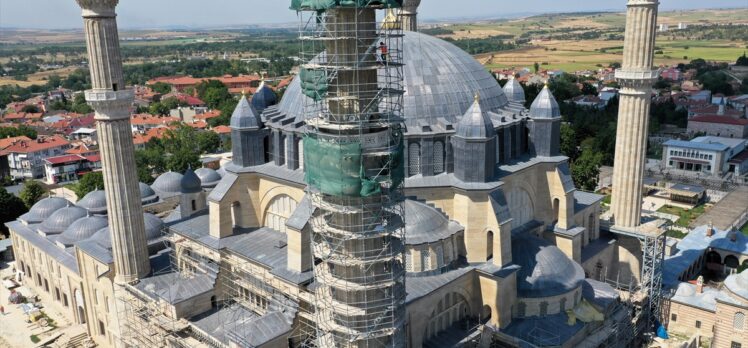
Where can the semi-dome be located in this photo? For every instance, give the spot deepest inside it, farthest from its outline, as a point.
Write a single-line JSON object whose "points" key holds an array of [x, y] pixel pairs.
{"points": [[545, 270], [426, 224], [545, 106], [60, 220], [169, 182], [440, 82], [208, 177], [94, 202], [263, 97], [81, 229], [147, 195], [44, 209], [738, 284], [514, 91], [190, 182]]}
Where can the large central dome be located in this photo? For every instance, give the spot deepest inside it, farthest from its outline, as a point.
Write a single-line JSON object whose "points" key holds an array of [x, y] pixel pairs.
{"points": [[441, 81]]}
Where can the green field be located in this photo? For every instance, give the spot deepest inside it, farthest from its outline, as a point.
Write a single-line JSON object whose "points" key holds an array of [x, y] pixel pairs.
{"points": [[686, 215]]}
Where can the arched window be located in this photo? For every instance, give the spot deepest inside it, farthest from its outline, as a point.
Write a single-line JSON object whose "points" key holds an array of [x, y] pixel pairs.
{"points": [[520, 207], [562, 305], [235, 213], [738, 321], [409, 261], [489, 245], [438, 157], [426, 259], [278, 212], [300, 150], [521, 309], [543, 308], [439, 256], [414, 159]]}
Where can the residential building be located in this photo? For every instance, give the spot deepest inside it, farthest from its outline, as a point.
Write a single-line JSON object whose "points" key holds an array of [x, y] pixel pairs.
{"points": [[672, 74], [720, 126], [68, 168], [26, 156]]}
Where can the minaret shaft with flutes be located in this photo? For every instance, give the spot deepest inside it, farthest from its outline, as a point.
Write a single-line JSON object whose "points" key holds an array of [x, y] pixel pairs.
{"points": [[636, 77], [112, 103]]}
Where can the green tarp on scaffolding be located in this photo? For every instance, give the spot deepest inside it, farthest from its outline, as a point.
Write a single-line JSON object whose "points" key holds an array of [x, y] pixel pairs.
{"points": [[314, 83], [321, 5], [337, 169]]}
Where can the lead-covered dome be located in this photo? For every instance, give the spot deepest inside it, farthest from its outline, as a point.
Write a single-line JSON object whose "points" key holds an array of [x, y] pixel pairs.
{"points": [[440, 82], [263, 97], [738, 284], [426, 224], [60, 220], [208, 177], [44, 209], [81, 229], [190, 182], [153, 228], [545, 270], [147, 195], [94, 202], [169, 182]]}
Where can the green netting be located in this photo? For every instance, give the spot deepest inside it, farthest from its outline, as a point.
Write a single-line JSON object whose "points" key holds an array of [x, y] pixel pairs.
{"points": [[321, 5], [333, 169], [337, 169], [314, 83]]}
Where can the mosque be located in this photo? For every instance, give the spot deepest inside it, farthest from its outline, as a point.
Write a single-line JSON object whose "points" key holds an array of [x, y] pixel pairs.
{"points": [[499, 246]]}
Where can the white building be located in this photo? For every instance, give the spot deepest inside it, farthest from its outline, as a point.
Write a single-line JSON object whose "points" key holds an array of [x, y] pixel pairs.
{"points": [[26, 157], [708, 155]]}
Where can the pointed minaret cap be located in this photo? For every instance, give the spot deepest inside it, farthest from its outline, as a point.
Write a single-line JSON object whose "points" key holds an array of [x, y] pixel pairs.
{"points": [[545, 106], [514, 91], [475, 124], [245, 116]]}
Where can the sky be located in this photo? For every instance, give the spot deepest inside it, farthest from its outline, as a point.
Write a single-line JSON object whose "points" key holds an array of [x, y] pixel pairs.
{"points": [[65, 14]]}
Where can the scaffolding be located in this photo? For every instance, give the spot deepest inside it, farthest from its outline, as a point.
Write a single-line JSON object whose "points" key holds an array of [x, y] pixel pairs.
{"points": [[353, 79], [645, 299], [241, 293]]}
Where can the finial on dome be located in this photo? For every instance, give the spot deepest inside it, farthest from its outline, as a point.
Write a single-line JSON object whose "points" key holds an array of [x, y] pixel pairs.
{"points": [[244, 93], [476, 97]]}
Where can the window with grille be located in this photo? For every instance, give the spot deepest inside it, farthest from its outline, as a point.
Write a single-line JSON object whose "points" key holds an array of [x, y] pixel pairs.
{"points": [[278, 212], [521, 309], [439, 256], [738, 321], [673, 317], [736, 345], [698, 324], [426, 259], [300, 149], [409, 261], [543, 308], [414, 159], [438, 157]]}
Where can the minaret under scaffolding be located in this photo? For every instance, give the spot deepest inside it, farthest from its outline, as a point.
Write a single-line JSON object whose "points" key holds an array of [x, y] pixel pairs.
{"points": [[354, 148], [112, 101], [409, 14]]}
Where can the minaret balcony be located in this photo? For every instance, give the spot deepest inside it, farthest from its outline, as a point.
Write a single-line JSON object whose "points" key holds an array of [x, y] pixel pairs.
{"points": [[626, 74]]}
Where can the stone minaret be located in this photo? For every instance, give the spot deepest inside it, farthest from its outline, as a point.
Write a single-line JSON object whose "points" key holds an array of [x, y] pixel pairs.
{"points": [[636, 77], [112, 103], [409, 14]]}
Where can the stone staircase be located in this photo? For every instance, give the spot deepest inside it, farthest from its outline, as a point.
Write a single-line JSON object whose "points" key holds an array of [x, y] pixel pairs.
{"points": [[80, 340]]}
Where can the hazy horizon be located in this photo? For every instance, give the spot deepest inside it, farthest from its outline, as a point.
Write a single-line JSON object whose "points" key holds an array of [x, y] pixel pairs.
{"points": [[140, 14]]}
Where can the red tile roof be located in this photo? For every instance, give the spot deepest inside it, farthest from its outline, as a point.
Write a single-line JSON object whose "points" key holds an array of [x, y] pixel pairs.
{"points": [[93, 158], [208, 115], [29, 146], [222, 129], [64, 159], [4, 143], [147, 119], [719, 119]]}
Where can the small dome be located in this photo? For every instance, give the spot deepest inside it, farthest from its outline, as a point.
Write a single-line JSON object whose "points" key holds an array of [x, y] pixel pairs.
{"points": [[153, 226], [545, 270], [82, 229], [62, 219], [153, 229], [738, 284], [190, 182], [426, 224], [147, 195], [245, 116], [169, 182], [475, 123], [44, 209], [514, 91], [208, 177], [94, 202], [545, 105], [263, 97]]}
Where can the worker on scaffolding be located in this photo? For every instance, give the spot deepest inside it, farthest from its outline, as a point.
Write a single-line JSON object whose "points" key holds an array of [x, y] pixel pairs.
{"points": [[384, 51]]}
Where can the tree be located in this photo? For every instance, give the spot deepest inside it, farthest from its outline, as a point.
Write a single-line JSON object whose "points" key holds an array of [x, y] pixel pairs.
{"points": [[569, 141], [89, 183], [742, 60], [586, 169], [536, 66], [80, 106], [588, 89], [208, 142], [215, 97], [161, 87], [31, 193], [30, 109], [6, 132], [12, 208], [158, 108]]}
